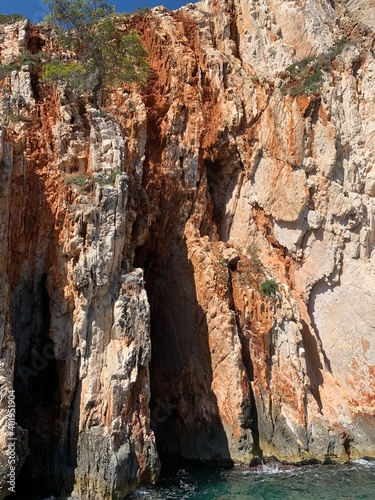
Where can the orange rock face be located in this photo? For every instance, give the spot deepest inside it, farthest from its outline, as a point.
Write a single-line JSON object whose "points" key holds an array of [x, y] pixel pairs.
{"points": [[137, 248]]}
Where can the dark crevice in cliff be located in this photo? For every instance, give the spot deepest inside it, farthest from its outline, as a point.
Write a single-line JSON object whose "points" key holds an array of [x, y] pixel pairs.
{"points": [[250, 412], [35, 45], [252, 422], [72, 431], [36, 382], [184, 411], [313, 364], [235, 37], [269, 364], [215, 182], [37, 371]]}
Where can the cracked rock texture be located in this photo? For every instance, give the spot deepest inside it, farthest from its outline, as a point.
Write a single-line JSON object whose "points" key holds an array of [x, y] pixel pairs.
{"points": [[134, 244]]}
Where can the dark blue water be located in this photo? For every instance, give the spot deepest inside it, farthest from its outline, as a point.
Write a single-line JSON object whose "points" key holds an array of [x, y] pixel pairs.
{"points": [[353, 481]]}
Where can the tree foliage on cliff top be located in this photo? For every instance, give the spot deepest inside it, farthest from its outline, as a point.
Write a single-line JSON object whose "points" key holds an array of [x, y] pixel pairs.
{"points": [[10, 18], [105, 55]]}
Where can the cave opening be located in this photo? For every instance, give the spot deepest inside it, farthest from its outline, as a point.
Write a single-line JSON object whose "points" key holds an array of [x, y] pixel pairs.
{"points": [[36, 386], [184, 411]]}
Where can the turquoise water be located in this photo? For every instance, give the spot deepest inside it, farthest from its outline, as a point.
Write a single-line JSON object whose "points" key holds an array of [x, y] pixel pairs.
{"points": [[353, 481]]}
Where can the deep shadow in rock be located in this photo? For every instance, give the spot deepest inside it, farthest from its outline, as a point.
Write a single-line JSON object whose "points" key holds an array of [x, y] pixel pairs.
{"points": [[313, 363], [34, 252], [184, 410], [320, 287]]}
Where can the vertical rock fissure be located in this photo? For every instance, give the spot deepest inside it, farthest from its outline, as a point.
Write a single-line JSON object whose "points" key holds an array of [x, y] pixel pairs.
{"points": [[36, 383], [249, 370], [184, 410], [248, 364]]}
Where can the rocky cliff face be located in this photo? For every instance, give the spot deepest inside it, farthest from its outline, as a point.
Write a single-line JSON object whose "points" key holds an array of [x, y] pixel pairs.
{"points": [[135, 243]]}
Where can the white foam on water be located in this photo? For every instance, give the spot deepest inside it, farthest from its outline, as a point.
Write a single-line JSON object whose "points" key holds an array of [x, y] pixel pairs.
{"points": [[270, 469], [364, 462], [140, 492]]}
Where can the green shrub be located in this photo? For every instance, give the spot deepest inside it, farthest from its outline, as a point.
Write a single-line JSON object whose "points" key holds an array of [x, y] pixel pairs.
{"points": [[10, 18], [12, 117], [299, 66], [58, 72], [307, 73], [315, 77], [312, 82], [269, 288], [339, 45], [26, 58], [76, 179], [7, 69], [109, 179], [142, 11], [30, 59]]}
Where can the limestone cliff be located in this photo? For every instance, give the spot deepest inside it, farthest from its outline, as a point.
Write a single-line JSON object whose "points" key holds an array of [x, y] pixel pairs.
{"points": [[135, 242]]}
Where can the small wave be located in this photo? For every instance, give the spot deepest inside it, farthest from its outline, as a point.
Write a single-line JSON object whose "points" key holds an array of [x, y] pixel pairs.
{"points": [[140, 493], [271, 468], [364, 462]]}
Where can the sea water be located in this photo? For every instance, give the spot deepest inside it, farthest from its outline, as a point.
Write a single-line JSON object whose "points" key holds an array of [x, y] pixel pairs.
{"points": [[352, 481]]}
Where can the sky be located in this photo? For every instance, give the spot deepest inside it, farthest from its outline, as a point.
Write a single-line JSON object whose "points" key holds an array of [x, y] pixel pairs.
{"points": [[35, 10]]}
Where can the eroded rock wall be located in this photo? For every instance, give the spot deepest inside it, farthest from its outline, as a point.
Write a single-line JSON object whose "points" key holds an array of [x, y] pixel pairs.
{"points": [[136, 240], [76, 329], [274, 177]]}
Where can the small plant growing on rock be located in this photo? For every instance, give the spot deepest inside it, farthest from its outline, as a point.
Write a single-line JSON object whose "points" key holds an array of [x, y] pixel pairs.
{"points": [[26, 58], [12, 117], [109, 179], [253, 252], [222, 261], [142, 11], [76, 179], [339, 45], [268, 288], [306, 75], [30, 59], [310, 85], [6, 69], [297, 67]]}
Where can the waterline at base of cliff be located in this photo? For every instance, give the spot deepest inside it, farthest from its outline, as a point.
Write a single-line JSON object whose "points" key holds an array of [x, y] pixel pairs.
{"points": [[353, 480]]}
